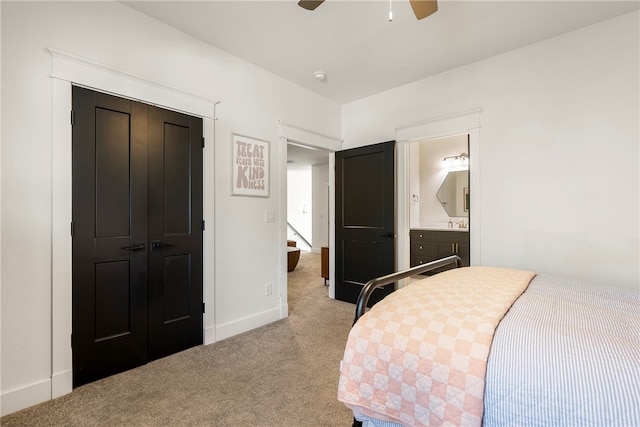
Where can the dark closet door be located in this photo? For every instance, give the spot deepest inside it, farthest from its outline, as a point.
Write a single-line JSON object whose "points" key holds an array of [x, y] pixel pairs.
{"points": [[128, 164], [365, 219], [175, 232], [109, 209]]}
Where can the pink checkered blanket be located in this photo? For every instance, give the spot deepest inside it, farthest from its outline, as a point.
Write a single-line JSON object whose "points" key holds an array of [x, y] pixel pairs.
{"points": [[419, 356]]}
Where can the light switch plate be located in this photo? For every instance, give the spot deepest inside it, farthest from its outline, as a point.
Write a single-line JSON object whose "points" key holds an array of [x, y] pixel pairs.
{"points": [[269, 216]]}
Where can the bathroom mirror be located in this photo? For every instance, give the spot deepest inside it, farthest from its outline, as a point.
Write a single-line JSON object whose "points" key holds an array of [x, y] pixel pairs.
{"points": [[454, 193]]}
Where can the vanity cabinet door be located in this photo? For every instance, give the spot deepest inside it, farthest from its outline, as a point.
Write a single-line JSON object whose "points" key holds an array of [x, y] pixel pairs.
{"points": [[445, 249], [422, 247], [452, 243]]}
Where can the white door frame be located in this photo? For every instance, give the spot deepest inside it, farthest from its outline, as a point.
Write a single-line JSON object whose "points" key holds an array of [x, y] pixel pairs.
{"points": [[288, 133], [68, 69], [452, 124]]}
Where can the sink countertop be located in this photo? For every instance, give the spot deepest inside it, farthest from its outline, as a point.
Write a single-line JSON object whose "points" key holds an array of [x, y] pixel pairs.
{"points": [[455, 228]]}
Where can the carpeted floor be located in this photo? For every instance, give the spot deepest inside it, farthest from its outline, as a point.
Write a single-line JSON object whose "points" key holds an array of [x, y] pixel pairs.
{"points": [[282, 374]]}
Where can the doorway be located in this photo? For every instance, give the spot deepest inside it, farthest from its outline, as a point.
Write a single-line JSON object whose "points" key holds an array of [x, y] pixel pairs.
{"points": [[439, 199], [307, 202], [464, 122], [137, 234], [295, 136]]}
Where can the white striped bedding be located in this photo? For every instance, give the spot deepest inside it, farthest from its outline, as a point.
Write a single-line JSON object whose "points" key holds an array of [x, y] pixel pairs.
{"points": [[566, 354]]}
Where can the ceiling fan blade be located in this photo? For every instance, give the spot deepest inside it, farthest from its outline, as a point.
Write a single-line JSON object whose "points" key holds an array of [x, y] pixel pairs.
{"points": [[423, 8], [310, 4]]}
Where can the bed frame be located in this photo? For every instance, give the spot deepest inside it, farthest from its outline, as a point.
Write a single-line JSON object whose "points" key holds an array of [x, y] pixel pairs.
{"points": [[373, 284], [591, 379]]}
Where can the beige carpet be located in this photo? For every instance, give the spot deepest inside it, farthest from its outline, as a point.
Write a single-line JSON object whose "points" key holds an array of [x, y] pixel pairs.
{"points": [[283, 374]]}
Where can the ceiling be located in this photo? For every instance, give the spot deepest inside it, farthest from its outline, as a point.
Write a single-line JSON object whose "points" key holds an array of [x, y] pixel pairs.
{"points": [[301, 157], [363, 53], [359, 49]]}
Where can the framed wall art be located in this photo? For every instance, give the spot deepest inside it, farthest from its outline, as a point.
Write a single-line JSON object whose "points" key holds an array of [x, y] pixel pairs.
{"points": [[250, 172]]}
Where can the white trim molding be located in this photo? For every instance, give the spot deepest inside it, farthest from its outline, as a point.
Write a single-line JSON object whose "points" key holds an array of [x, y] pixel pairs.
{"points": [[32, 394], [68, 70], [467, 122], [248, 323], [75, 69], [290, 134], [447, 125], [307, 138]]}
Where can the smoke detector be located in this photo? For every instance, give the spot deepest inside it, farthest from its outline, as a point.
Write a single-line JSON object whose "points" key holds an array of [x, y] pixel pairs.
{"points": [[320, 75]]}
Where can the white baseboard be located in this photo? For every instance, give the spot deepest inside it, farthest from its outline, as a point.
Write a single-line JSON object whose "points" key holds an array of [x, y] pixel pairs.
{"points": [[246, 324], [284, 310], [61, 383], [209, 335], [15, 400]]}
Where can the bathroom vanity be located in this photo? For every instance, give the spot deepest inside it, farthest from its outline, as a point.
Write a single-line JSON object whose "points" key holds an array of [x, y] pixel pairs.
{"points": [[430, 244]]}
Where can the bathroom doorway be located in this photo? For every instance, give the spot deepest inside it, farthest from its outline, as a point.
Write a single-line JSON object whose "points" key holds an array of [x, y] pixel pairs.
{"points": [[439, 199]]}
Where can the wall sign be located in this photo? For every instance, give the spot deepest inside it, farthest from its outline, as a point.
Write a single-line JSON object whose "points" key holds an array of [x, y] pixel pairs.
{"points": [[250, 166]]}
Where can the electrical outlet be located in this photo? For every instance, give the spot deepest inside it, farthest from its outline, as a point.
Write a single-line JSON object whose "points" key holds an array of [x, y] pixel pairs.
{"points": [[268, 289]]}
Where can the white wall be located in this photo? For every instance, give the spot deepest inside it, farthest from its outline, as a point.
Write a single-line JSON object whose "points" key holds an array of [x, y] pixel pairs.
{"points": [[415, 199], [300, 205], [320, 174], [558, 154], [249, 252], [308, 187]]}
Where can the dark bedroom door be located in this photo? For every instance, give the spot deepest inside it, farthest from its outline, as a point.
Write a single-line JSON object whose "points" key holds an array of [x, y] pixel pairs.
{"points": [[365, 219], [137, 234]]}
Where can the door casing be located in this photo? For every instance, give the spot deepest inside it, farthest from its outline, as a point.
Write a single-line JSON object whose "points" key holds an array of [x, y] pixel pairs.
{"points": [[67, 70], [463, 122], [137, 263]]}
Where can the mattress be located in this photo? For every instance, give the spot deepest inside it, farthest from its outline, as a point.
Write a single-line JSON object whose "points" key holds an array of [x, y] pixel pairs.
{"points": [[566, 353]]}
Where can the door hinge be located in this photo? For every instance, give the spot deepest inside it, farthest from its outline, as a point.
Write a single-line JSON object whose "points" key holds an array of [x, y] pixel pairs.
{"points": [[203, 142], [203, 307], [73, 228], [73, 117], [71, 340], [203, 225]]}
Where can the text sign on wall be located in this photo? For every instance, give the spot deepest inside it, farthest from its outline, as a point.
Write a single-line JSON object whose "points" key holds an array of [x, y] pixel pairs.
{"points": [[250, 168]]}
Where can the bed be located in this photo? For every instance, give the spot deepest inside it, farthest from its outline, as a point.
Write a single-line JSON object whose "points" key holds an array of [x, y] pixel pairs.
{"points": [[493, 347]]}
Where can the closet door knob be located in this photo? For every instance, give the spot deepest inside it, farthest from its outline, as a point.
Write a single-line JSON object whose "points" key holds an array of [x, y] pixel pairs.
{"points": [[157, 244]]}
